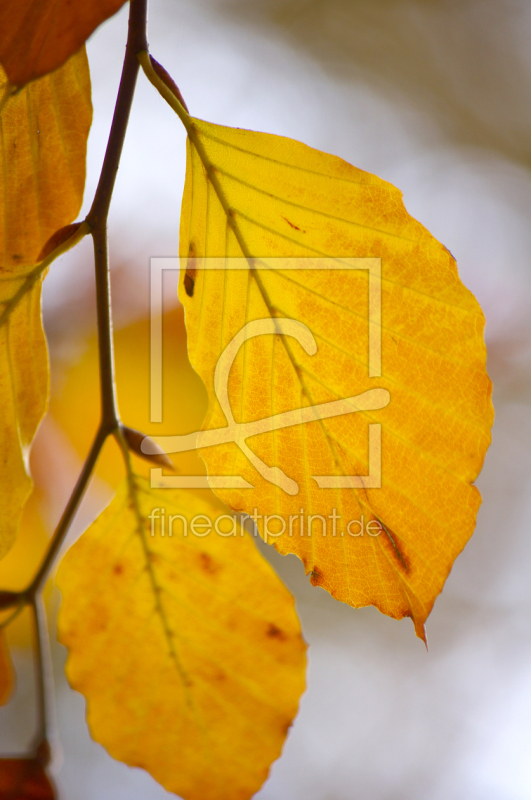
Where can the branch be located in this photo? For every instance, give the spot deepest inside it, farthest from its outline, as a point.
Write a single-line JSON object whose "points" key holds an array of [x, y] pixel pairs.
{"points": [[136, 42], [67, 517], [97, 216], [44, 675], [96, 223]]}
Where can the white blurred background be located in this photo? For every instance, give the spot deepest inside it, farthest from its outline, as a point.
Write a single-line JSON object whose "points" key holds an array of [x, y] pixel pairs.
{"points": [[434, 96]]}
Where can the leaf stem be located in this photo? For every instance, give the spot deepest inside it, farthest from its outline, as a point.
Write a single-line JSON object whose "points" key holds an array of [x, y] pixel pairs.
{"points": [[171, 98]]}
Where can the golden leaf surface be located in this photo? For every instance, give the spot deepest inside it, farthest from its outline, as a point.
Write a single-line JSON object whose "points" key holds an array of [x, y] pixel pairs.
{"points": [[43, 137], [265, 197], [186, 646], [38, 36], [20, 565]]}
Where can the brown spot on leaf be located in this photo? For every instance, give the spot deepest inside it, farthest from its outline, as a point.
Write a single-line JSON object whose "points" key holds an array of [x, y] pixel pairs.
{"points": [[316, 576], [189, 281], [276, 633], [191, 271], [292, 225], [118, 569], [286, 726], [208, 564]]}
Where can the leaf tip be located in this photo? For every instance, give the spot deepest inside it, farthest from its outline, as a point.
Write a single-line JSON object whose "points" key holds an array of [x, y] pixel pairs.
{"points": [[420, 631]]}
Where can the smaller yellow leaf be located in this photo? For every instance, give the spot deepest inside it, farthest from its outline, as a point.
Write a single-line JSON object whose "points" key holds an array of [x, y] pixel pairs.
{"points": [[43, 139], [183, 640]]}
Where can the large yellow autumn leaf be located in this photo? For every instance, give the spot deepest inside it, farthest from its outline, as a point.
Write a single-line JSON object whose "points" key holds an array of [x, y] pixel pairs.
{"points": [[290, 330], [184, 642], [43, 136]]}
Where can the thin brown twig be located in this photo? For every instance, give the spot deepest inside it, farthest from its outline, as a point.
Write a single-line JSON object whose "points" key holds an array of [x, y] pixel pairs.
{"points": [[44, 678]]}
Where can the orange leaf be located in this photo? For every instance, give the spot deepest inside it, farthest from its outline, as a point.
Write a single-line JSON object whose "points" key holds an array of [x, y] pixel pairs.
{"points": [[44, 139], [38, 36]]}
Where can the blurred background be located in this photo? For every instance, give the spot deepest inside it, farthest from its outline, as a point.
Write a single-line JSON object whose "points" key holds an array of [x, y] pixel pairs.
{"points": [[434, 96]]}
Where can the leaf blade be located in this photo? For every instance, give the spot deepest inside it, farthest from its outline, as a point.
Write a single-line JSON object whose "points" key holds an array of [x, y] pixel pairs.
{"points": [[227, 659], [43, 136], [262, 197]]}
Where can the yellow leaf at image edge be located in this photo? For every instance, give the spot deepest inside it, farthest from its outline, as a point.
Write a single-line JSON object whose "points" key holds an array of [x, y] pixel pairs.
{"points": [[43, 137], [260, 196], [20, 565], [187, 647]]}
